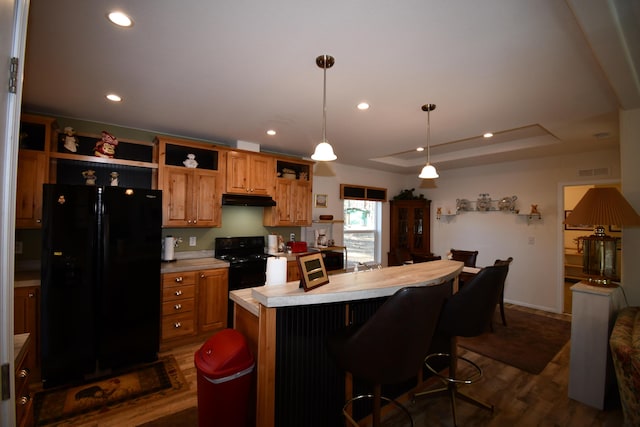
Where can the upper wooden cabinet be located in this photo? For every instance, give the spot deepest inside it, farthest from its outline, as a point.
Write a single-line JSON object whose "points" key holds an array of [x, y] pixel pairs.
{"points": [[410, 229], [36, 134], [293, 194], [250, 173], [191, 196]]}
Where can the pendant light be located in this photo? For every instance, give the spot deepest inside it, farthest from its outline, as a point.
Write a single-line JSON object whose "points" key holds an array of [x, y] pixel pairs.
{"points": [[428, 171], [324, 150]]}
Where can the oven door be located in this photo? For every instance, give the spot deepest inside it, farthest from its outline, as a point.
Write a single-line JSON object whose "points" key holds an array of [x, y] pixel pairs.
{"points": [[247, 274]]}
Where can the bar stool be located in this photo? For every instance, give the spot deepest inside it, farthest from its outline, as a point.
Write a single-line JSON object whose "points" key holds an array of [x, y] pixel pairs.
{"points": [[391, 345], [466, 314]]}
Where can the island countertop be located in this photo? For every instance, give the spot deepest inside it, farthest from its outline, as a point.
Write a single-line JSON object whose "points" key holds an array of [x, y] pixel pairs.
{"points": [[356, 286]]}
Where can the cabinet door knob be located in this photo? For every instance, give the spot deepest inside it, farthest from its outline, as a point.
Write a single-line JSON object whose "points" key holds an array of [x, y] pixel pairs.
{"points": [[202, 276], [38, 220], [179, 279], [23, 400], [31, 295], [177, 325], [178, 292], [177, 307], [23, 373]]}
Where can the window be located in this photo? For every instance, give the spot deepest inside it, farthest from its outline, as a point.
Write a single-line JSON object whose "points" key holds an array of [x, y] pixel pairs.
{"points": [[362, 225]]}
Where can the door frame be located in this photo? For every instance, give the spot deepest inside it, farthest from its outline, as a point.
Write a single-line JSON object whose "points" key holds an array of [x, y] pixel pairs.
{"points": [[560, 236], [13, 25]]}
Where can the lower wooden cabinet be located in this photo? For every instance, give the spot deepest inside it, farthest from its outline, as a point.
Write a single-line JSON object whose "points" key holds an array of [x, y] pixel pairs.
{"points": [[293, 272], [24, 397], [193, 303], [213, 295], [178, 305], [26, 317]]}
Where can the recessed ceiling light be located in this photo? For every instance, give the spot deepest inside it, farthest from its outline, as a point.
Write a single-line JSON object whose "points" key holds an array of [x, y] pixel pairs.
{"points": [[120, 19], [113, 97], [271, 132], [420, 149], [363, 106], [487, 135]]}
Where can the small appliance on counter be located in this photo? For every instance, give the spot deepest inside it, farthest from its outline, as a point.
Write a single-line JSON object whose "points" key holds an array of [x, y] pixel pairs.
{"points": [[297, 247], [169, 243]]}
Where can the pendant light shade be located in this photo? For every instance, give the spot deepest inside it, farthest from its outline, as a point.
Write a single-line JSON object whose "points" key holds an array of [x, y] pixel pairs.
{"points": [[428, 171], [324, 150]]}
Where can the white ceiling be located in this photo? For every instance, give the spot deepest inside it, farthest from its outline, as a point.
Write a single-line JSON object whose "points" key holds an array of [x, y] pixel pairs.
{"points": [[545, 76]]}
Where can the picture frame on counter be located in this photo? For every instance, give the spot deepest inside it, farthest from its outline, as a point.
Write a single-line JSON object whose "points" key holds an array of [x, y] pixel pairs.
{"points": [[321, 201], [313, 272]]}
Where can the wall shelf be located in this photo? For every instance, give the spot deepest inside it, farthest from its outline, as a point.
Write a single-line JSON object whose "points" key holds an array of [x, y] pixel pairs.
{"points": [[485, 204]]}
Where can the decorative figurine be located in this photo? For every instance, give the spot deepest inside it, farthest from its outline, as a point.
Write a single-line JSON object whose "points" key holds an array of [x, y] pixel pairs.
{"points": [[190, 162], [106, 147], [114, 179], [70, 139], [89, 177]]}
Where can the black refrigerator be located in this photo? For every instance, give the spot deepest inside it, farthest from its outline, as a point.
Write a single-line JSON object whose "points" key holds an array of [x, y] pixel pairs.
{"points": [[100, 307]]}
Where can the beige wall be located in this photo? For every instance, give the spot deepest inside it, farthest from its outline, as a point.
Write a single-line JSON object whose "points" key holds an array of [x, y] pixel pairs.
{"points": [[536, 275]]}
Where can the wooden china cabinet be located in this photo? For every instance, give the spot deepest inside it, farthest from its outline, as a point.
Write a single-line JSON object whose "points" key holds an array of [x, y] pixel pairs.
{"points": [[410, 230]]}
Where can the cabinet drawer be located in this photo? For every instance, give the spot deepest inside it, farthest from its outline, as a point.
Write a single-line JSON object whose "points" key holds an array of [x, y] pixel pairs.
{"points": [[178, 292], [178, 325], [23, 375], [24, 409], [178, 306], [179, 279]]}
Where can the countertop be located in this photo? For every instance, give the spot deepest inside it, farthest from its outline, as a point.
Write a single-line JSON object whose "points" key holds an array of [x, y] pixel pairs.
{"points": [[20, 342], [192, 264], [187, 261], [26, 278], [350, 286]]}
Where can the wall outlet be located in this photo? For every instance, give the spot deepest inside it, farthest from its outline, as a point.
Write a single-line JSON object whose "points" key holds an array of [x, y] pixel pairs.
{"points": [[18, 250], [192, 241]]}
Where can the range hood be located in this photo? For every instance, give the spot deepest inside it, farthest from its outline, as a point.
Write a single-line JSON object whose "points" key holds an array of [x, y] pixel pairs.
{"points": [[246, 200]]}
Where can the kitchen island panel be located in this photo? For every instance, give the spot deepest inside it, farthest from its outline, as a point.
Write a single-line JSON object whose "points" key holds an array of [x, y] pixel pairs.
{"points": [[297, 382]]}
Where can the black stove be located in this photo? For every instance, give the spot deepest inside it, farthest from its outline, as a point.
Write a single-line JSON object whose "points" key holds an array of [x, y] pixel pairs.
{"points": [[247, 263]]}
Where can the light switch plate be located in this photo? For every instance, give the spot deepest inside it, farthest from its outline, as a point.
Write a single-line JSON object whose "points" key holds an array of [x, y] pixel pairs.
{"points": [[192, 241]]}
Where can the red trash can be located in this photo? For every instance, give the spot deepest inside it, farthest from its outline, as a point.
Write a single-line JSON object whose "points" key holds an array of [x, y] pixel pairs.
{"points": [[225, 376]]}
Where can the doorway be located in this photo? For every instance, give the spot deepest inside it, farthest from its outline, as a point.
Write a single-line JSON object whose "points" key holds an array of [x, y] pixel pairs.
{"points": [[572, 247]]}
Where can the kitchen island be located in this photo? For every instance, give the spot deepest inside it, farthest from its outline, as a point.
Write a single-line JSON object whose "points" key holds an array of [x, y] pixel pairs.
{"points": [[296, 381]]}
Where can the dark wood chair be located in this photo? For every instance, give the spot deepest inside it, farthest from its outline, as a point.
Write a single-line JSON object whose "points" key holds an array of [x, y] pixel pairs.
{"points": [[506, 262], [467, 257], [466, 314], [391, 345]]}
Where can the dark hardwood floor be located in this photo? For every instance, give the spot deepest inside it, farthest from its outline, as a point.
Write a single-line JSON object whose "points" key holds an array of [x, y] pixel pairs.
{"points": [[520, 398]]}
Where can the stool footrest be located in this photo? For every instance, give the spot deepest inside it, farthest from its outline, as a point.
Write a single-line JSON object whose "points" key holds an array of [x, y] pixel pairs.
{"points": [[469, 380], [371, 396]]}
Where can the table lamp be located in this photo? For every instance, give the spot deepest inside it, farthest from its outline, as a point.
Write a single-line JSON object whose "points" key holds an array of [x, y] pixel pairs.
{"points": [[602, 206]]}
